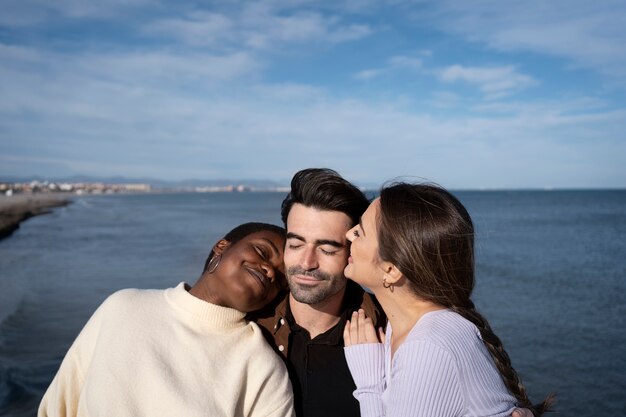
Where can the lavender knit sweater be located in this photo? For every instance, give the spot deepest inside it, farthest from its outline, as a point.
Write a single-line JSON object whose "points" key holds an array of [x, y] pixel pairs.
{"points": [[442, 369]]}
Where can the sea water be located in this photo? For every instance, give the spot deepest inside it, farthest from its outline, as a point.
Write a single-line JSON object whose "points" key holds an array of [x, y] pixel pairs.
{"points": [[551, 279]]}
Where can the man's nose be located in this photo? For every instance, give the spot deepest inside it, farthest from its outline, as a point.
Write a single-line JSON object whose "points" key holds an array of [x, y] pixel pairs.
{"points": [[309, 259]]}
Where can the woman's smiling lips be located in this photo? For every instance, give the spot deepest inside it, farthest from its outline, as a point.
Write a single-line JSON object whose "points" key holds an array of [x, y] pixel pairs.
{"points": [[259, 276]]}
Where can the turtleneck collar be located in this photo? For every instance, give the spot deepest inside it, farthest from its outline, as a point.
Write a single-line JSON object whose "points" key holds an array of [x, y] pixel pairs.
{"points": [[211, 315]]}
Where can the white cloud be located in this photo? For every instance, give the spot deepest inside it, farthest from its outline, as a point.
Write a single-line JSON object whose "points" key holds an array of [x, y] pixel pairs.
{"points": [[369, 74], [24, 13], [266, 30], [494, 82], [349, 33], [289, 92], [589, 34], [263, 31], [164, 70], [257, 26], [197, 28], [172, 69], [445, 99], [406, 62], [12, 53], [395, 63]]}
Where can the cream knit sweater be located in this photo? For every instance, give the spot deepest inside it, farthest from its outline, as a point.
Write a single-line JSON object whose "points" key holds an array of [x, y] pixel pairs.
{"points": [[167, 353]]}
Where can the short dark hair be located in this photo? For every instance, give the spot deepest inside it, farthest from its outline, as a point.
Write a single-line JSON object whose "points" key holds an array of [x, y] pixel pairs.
{"points": [[243, 230], [324, 189]]}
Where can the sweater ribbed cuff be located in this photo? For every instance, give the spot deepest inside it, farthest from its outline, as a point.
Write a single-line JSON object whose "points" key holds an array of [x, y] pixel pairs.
{"points": [[367, 365]]}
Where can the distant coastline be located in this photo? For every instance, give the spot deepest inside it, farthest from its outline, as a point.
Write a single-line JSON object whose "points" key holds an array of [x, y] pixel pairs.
{"points": [[20, 201], [16, 209], [33, 187]]}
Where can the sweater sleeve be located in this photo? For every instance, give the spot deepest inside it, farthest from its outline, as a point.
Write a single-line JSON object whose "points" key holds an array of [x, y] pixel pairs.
{"points": [[424, 381], [285, 409], [62, 396], [367, 366], [277, 395]]}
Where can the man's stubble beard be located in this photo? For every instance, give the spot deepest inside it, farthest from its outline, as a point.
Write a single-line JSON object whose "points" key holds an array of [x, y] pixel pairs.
{"points": [[308, 294]]}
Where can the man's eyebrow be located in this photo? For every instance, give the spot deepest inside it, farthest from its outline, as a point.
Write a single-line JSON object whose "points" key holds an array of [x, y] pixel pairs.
{"points": [[329, 242], [291, 235], [274, 248], [319, 242]]}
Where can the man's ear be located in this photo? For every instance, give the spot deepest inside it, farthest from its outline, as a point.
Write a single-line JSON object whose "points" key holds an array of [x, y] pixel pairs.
{"points": [[220, 246], [392, 273]]}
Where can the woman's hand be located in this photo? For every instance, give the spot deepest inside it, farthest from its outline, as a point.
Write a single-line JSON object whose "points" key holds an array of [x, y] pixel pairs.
{"points": [[360, 329]]}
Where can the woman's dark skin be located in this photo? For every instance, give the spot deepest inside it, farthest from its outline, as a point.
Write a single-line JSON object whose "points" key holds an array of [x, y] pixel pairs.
{"points": [[249, 275]]}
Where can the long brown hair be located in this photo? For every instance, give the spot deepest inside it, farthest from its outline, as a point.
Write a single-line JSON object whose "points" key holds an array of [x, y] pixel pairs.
{"points": [[429, 236]]}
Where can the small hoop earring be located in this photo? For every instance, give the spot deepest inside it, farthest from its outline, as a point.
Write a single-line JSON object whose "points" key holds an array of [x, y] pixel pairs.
{"points": [[213, 263], [386, 285]]}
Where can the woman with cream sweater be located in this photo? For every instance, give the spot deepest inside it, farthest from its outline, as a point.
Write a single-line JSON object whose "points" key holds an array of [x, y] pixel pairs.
{"points": [[183, 351]]}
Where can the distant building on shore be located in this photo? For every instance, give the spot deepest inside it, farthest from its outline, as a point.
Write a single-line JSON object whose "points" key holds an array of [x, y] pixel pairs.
{"points": [[36, 187], [97, 187]]}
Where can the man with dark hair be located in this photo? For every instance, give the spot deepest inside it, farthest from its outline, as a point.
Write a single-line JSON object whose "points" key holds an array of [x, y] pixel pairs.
{"points": [[306, 325]]}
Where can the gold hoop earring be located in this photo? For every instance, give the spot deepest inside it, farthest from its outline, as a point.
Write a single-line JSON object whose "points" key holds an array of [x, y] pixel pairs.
{"points": [[386, 285], [213, 263]]}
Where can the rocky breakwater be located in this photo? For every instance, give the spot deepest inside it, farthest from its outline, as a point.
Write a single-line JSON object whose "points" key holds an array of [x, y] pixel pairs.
{"points": [[17, 208]]}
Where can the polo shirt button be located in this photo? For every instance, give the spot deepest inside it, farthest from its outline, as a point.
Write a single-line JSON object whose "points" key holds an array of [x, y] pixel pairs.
{"points": [[282, 321], [281, 348]]}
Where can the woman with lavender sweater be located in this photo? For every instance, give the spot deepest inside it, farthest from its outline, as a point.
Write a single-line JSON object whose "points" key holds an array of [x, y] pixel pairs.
{"points": [[414, 249]]}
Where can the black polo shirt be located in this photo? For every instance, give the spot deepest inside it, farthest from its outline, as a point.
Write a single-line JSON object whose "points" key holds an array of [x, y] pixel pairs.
{"points": [[321, 380]]}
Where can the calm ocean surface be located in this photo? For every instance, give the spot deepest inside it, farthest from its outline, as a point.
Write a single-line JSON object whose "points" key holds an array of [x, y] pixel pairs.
{"points": [[551, 280]]}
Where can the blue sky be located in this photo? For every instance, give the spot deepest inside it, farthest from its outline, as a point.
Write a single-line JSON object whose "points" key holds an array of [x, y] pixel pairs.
{"points": [[468, 94]]}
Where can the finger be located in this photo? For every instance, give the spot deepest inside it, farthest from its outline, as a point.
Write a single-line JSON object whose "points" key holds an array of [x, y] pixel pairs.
{"points": [[381, 335], [354, 328], [346, 334], [362, 327], [370, 332], [367, 333]]}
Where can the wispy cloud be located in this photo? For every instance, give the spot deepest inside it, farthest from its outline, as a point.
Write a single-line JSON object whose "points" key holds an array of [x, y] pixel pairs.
{"points": [[257, 27], [23, 13], [494, 82], [196, 28], [395, 63], [588, 34], [267, 30], [146, 68]]}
